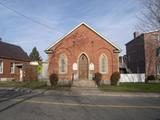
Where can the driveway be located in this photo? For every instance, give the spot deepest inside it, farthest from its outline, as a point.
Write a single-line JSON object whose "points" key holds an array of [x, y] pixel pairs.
{"points": [[72, 105]]}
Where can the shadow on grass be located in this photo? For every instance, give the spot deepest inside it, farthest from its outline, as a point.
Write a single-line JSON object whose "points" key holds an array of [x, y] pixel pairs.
{"points": [[22, 89], [12, 94]]}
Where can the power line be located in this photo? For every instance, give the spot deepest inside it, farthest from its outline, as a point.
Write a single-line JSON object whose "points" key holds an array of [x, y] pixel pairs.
{"points": [[29, 18]]}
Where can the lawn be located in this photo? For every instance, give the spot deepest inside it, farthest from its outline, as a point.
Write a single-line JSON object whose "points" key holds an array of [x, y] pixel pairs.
{"points": [[32, 85], [132, 87], [123, 87], [29, 84]]}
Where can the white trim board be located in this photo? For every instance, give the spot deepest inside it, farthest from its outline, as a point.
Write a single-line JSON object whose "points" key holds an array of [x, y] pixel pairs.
{"points": [[151, 31], [83, 23]]}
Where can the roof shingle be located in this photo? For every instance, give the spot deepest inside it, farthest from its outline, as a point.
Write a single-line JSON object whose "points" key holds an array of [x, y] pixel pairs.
{"points": [[11, 51]]}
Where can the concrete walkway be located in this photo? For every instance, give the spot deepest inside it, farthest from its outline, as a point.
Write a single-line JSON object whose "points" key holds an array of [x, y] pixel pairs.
{"points": [[97, 92], [86, 92]]}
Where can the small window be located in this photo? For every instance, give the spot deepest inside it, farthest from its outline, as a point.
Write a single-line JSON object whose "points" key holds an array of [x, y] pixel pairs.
{"points": [[1, 66], [158, 37], [158, 52], [63, 64], [158, 69], [103, 64], [12, 68]]}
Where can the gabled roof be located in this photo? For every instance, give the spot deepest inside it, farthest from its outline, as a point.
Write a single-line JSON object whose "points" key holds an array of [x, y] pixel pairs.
{"points": [[107, 40], [10, 51]]}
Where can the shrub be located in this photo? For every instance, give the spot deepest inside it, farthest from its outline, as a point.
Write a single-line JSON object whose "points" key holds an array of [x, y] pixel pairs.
{"points": [[158, 77], [39, 68], [115, 78], [149, 78], [53, 79], [98, 77]]}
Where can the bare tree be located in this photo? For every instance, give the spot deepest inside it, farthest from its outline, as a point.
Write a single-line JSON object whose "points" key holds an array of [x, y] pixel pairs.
{"points": [[149, 18]]}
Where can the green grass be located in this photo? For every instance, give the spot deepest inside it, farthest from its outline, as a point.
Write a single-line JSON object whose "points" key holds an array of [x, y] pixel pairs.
{"points": [[123, 87], [132, 87], [32, 85], [28, 84]]}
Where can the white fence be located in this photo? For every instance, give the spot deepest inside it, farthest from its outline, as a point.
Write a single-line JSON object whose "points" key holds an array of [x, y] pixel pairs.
{"points": [[132, 78]]}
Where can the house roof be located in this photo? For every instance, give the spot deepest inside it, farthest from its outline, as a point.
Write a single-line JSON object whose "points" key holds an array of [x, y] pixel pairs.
{"points": [[10, 51], [106, 39], [139, 36], [142, 35]]}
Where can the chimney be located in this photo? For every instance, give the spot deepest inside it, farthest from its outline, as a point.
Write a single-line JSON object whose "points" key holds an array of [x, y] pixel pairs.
{"points": [[135, 34]]}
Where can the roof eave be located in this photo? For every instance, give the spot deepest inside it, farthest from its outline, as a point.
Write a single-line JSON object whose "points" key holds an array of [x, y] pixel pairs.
{"points": [[106, 39]]}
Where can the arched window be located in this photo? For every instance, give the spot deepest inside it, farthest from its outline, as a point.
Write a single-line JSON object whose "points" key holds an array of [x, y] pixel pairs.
{"points": [[63, 64], [103, 64]]}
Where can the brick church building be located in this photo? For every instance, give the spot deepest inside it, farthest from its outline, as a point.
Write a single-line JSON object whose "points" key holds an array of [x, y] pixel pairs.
{"points": [[80, 54]]}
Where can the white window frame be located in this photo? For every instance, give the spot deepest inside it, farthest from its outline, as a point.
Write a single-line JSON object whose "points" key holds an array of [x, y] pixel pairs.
{"points": [[157, 67], [12, 72], [158, 37], [100, 64], [63, 56], [2, 67]]}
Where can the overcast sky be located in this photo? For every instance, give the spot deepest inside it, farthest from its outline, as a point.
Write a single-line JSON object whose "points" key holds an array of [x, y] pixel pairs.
{"points": [[114, 19]]}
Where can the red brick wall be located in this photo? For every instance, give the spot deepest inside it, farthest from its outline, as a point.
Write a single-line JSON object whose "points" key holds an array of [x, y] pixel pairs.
{"points": [[6, 70], [88, 42], [151, 45], [29, 72]]}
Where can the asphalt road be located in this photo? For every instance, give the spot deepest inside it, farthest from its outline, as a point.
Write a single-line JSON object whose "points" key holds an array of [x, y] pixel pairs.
{"points": [[26, 105]]}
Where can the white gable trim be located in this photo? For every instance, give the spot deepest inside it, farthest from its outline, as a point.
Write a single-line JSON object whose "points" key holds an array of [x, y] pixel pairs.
{"points": [[151, 31], [89, 28]]}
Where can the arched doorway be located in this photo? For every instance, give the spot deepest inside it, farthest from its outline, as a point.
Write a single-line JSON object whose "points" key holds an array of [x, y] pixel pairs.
{"points": [[83, 67]]}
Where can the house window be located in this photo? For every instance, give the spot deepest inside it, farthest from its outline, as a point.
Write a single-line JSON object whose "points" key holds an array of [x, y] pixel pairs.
{"points": [[158, 37], [12, 68], [1, 66], [62, 64], [158, 52], [158, 69], [103, 64]]}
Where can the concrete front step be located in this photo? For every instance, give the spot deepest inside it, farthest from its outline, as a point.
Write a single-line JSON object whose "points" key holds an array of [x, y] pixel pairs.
{"points": [[84, 83]]}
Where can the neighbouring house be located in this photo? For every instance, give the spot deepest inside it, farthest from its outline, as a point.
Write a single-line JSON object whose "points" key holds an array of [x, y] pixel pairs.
{"points": [[81, 53], [143, 53], [15, 63]]}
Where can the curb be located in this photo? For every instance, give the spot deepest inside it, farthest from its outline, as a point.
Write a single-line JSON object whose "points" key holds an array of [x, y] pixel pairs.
{"points": [[100, 93], [85, 92]]}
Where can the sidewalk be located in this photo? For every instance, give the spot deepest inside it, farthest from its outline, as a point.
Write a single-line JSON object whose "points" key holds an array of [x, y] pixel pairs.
{"points": [[97, 92], [86, 92]]}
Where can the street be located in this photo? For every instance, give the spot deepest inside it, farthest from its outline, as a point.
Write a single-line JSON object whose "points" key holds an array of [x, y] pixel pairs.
{"points": [[50, 105]]}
